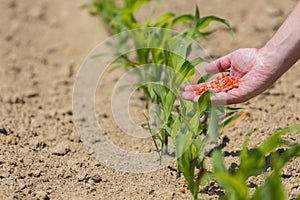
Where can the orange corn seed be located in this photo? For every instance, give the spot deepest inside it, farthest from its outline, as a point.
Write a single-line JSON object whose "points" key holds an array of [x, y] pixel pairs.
{"points": [[182, 190], [184, 184]]}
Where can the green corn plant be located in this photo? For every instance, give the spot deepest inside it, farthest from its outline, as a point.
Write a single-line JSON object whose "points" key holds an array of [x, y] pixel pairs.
{"points": [[116, 16], [188, 134], [190, 126], [194, 127], [253, 163], [121, 17]]}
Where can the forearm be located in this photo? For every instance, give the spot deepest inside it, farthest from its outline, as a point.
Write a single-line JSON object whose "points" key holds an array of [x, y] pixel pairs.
{"points": [[283, 49]]}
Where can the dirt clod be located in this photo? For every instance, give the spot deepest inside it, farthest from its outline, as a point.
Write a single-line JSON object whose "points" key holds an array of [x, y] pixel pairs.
{"points": [[60, 149]]}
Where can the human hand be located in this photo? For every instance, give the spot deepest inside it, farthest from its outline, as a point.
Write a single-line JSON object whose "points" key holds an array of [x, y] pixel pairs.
{"points": [[248, 65]]}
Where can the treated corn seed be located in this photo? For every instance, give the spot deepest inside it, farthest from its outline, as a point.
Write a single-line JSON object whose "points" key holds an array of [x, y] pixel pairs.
{"points": [[182, 190], [222, 83], [184, 184]]}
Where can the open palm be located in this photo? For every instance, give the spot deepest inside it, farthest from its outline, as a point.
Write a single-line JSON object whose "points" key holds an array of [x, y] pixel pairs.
{"points": [[248, 66]]}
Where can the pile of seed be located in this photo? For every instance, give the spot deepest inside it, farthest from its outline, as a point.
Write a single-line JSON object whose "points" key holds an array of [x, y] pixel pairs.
{"points": [[222, 83]]}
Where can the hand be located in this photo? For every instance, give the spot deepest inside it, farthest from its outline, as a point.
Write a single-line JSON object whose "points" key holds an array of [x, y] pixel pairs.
{"points": [[250, 66], [257, 69]]}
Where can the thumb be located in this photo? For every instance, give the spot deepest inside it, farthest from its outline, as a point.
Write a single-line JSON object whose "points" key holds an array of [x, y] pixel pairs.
{"points": [[219, 65]]}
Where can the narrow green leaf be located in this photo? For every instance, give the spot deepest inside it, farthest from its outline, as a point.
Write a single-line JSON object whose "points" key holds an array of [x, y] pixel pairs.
{"points": [[182, 19], [279, 161], [271, 189], [199, 146], [197, 13], [205, 21], [175, 128], [213, 124], [194, 123], [198, 60], [203, 103], [206, 33], [235, 188], [229, 109], [275, 141], [218, 161], [168, 103], [133, 5], [252, 164], [161, 20], [186, 69], [183, 141]]}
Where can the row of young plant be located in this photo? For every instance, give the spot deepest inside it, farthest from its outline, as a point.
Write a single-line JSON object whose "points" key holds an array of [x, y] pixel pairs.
{"points": [[162, 68]]}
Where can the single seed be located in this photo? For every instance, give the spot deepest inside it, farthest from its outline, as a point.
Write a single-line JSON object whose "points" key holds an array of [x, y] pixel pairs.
{"points": [[184, 184], [182, 190]]}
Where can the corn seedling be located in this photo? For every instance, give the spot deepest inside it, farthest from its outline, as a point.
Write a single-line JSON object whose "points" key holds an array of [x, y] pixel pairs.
{"points": [[253, 162], [190, 126]]}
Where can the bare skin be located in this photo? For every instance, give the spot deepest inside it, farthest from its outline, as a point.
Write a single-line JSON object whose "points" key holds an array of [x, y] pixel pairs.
{"points": [[256, 68]]}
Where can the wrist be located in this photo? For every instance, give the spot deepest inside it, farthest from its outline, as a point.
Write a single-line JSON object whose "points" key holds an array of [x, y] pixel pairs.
{"points": [[278, 56], [271, 59]]}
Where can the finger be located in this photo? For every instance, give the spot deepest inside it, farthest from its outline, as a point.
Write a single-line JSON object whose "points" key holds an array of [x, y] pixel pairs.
{"points": [[189, 95], [192, 87], [196, 98], [219, 65]]}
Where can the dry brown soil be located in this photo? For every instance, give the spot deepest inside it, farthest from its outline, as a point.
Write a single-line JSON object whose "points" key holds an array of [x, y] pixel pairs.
{"points": [[43, 43]]}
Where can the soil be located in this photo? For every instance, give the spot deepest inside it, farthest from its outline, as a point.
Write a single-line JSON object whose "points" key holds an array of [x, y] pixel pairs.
{"points": [[43, 43]]}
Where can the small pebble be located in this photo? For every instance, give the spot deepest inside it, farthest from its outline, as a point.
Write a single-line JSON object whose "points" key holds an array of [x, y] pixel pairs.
{"points": [[60, 149]]}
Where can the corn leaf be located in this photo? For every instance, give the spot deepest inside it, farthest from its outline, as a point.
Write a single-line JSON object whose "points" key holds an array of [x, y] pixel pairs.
{"points": [[205, 21], [199, 146], [218, 161], [133, 5], [162, 20], [235, 188], [213, 126], [198, 60], [271, 189], [182, 19], [203, 103], [183, 142], [279, 161], [275, 141]]}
